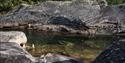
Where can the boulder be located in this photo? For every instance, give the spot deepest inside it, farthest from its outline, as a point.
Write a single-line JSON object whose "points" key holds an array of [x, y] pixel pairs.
{"points": [[13, 36], [11, 52], [115, 53]]}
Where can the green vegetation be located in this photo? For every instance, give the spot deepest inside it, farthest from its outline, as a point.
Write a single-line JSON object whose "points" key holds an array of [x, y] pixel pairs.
{"points": [[6, 5], [114, 2]]}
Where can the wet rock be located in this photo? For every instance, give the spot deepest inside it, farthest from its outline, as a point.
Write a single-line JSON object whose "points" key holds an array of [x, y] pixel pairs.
{"points": [[13, 36], [11, 52], [56, 58], [115, 53]]}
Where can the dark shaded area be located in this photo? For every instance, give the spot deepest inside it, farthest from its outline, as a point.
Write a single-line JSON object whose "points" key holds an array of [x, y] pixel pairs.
{"points": [[68, 61], [74, 23], [114, 2], [115, 53]]}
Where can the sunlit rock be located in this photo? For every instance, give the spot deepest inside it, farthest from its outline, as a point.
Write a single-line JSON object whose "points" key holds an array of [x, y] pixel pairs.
{"points": [[13, 36], [102, 3]]}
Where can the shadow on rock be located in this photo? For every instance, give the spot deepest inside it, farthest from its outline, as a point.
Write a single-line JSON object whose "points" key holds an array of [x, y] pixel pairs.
{"points": [[115, 53], [71, 22], [68, 61]]}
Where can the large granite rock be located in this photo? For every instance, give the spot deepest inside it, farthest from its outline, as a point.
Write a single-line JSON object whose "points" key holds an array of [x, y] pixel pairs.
{"points": [[13, 36], [13, 53], [86, 14], [115, 53], [42, 13]]}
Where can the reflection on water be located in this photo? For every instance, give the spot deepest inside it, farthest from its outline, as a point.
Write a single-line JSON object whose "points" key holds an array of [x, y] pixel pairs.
{"points": [[77, 46]]}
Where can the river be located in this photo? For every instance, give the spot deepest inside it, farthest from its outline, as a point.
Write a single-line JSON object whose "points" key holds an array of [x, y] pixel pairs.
{"points": [[82, 47], [78, 46]]}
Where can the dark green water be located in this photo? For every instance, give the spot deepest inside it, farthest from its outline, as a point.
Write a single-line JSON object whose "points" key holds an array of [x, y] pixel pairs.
{"points": [[77, 46]]}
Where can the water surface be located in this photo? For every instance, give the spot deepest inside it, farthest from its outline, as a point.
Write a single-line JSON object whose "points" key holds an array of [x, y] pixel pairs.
{"points": [[82, 47], [77, 46]]}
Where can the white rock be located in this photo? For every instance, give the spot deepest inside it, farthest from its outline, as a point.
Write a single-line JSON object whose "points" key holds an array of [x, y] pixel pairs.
{"points": [[13, 36]]}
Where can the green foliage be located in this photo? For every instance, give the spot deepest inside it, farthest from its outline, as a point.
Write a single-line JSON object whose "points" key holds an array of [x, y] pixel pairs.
{"points": [[6, 5], [114, 2]]}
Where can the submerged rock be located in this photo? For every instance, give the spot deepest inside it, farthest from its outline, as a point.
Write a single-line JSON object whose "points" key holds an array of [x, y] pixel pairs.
{"points": [[56, 58], [115, 53], [13, 36], [11, 52]]}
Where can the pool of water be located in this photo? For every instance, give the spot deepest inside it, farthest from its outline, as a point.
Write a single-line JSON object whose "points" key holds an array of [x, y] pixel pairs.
{"points": [[82, 47], [77, 46]]}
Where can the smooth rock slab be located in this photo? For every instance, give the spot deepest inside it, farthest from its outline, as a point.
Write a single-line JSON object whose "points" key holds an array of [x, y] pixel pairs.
{"points": [[13, 53], [13, 36]]}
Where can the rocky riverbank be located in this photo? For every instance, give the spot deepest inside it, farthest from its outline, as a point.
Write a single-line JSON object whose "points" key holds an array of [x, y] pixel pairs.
{"points": [[67, 16]]}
